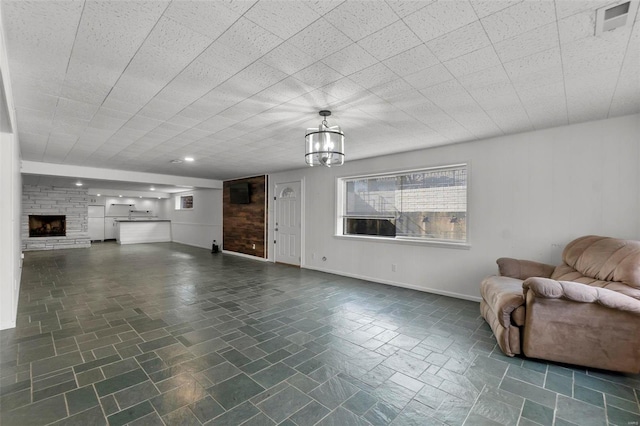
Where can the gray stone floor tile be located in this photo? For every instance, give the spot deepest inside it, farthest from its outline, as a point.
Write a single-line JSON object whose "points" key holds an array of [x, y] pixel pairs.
{"points": [[580, 412], [284, 403], [367, 350], [537, 413]]}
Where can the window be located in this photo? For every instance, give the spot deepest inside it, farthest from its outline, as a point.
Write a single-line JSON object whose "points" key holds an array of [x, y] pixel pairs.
{"points": [[426, 205], [184, 202]]}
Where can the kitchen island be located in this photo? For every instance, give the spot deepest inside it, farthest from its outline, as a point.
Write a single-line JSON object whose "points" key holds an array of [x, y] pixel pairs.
{"points": [[135, 231]]}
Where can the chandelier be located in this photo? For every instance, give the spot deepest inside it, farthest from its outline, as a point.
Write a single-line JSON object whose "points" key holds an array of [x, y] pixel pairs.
{"points": [[324, 145]]}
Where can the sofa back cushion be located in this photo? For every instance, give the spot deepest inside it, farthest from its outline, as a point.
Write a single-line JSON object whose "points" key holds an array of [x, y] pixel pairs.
{"points": [[603, 259]]}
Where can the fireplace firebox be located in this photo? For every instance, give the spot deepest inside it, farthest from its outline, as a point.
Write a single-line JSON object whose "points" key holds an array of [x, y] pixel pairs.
{"points": [[47, 226]]}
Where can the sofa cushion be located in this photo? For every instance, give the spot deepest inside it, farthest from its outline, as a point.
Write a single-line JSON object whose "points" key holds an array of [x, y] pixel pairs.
{"points": [[567, 273], [603, 259], [503, 295]]}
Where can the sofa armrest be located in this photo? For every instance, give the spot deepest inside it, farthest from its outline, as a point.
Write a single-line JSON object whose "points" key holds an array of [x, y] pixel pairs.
{"points": [[581, 293], [523, 269]]}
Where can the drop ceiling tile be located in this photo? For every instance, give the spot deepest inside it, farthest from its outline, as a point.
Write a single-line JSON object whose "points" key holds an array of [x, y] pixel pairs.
{"points": [[392, 89], [518, 19], [373, 76], [288, 58], [594, 54], [155, 65], [390, 41], [429, 77], [459, 42], [403, 8], [209, 18], [473, 62], [283, 91], [177, 39], [577, 26], [440, 18], [532, 63], [248, 39], [566, 8], [412, 60], [282, 18], [538, 40], [199, 77], [101, 37], [34, 99], [486, 77], [259, 76], [358, 19], [511, 118], [349, 60], [488, 7], [332, 40], [317, 75], [344, 89]]}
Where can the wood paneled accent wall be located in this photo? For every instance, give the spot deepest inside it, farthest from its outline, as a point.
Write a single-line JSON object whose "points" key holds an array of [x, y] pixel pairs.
{"points": [[244, 225]]}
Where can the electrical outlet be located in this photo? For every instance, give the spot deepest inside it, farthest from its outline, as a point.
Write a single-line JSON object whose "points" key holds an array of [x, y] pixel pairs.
{"points": [[393, 267], [253, 246]]}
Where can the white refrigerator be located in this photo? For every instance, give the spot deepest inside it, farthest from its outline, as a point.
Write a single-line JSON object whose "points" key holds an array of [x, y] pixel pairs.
{"points": [[96, 223]]}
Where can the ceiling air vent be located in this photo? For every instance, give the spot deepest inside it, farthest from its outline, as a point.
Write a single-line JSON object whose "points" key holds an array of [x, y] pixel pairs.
{"points": [[611, 17]]}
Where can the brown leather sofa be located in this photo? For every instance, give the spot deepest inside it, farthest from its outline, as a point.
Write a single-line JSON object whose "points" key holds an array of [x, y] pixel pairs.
{"points": [[585, 311]]}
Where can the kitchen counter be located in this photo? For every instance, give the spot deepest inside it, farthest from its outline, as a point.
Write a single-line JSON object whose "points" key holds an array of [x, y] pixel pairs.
{"points": [[134, 231]]}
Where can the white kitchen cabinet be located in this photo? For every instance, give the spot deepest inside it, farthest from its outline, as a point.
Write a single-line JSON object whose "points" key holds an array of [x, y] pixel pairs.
{"points": [[109, 228]]}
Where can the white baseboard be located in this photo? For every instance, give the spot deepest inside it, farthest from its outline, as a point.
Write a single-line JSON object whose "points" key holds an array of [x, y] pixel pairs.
{"points": [[399, 284], [7, 325], [248, 256], [191, 244]]}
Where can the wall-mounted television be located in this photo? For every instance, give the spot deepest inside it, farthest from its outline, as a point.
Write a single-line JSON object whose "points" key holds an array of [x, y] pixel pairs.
{"points": [[239, 193]]}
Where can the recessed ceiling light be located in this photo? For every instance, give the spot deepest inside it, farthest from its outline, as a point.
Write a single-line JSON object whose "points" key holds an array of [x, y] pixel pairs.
{"points": [[176, 161], [141, 196], [98, 195], [120, 196], [78, 183], [152, 189], [159, 198], [189, 159]]}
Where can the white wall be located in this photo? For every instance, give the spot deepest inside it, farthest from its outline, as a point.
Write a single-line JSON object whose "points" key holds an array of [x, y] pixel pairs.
{"points": [[198, 226], [10, 209], [529, 195]]}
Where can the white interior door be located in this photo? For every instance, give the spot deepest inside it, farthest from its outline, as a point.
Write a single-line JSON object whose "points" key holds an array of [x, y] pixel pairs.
{"points": [[96, 223], [287, 224]]}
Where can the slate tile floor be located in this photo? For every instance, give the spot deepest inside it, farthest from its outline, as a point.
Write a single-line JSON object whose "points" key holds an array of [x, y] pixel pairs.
{"points": [[169, 334]]}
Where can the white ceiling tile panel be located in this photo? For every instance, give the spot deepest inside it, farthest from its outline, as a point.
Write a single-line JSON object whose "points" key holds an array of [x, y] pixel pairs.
{"points": [[358, 19], [177, 75], [248, 39], [488, 7], [473, 62], [526, 44], [230, 61], [403, 8], [101, 38], [577, 26], [392, 89], [532, 63], [332, 39], [282, 18], [511, 119], [349, 60], [486, 77], [317, 75], [373, 76], [518, 19], [566, 8], [210, 18], [429, 77], [344, 89], [440, 18], [459, 42], [390, 41], [412, 60], [288, 58]]}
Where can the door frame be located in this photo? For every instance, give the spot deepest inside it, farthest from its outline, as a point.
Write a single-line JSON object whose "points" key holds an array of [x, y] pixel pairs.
{"points": [[272, 221]]}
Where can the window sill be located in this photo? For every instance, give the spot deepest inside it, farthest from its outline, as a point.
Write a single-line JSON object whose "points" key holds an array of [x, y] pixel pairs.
{"points": [[407, 241]]}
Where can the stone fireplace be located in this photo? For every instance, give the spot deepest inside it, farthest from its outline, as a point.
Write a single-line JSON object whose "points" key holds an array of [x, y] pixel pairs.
{"points": [[54, 218], [47, 225]]}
